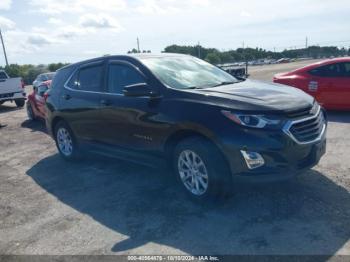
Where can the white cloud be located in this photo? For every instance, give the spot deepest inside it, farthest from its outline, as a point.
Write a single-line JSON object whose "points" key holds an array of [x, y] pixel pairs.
{"points": [[6, 23], [38, 40], [102, 21], [165, 7], [54, 7], [54, 21], [5, 4]]}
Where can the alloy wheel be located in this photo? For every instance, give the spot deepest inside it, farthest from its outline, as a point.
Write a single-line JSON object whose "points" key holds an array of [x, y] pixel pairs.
{"points": [[64, 141], [193, 172]]}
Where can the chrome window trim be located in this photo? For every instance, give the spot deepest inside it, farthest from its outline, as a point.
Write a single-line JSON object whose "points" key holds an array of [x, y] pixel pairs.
{"points": [[288, 125]]}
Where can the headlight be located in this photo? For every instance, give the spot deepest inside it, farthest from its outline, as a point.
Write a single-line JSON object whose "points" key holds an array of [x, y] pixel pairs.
{"points": [[256, 121]]}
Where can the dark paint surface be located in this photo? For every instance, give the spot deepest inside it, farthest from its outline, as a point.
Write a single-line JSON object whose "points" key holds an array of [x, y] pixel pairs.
{"points": [[150, 125]]}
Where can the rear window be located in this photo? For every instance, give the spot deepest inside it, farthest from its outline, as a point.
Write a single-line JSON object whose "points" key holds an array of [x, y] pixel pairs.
{"points": [[87, 78]]}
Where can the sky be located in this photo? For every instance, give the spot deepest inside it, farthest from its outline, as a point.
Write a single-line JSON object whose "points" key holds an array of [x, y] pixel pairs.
{"points": [[48, 31]]}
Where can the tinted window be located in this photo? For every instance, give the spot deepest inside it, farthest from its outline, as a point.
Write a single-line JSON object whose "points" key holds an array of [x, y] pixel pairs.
{"points": [[73, 81], [333, 70], [48, 76], [346, 69], [89, 78], [120, 76]]}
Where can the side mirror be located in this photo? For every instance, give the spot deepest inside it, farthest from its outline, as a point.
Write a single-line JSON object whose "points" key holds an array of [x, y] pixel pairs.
{"points": [[137, 90]]}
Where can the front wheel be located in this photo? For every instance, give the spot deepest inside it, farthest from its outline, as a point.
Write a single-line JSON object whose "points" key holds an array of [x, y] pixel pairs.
{"points": [[19, 102], [65, 141], [202, 170]]}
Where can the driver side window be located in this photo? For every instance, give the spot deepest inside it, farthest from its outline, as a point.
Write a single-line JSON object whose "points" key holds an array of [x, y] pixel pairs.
{"points": [[120, 76]]}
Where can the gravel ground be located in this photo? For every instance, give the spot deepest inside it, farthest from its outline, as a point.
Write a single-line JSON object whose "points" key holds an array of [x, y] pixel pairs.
{"points": [[104, 206]]}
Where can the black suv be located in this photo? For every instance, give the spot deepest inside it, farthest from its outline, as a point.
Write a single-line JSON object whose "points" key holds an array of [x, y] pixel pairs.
{"points": [[210, 126]]}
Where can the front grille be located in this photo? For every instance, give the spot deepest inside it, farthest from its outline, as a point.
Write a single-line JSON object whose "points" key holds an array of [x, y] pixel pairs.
{"points": [[6, 95], [308, 129], [299, 113]]}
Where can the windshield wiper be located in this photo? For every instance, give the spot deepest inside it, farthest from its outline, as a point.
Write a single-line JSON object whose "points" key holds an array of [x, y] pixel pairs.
{"points": [[225, 83]]}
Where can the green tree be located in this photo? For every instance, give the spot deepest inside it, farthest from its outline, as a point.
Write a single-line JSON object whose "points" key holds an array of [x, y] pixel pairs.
{"points": [[213, 58], [55, 66]]}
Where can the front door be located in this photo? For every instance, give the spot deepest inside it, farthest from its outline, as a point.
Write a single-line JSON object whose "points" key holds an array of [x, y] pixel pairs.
{"points": [[126, 119]]}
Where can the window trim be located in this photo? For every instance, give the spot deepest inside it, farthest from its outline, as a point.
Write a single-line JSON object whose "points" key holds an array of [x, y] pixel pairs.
{"points": [[77, 70], [124, 63]]}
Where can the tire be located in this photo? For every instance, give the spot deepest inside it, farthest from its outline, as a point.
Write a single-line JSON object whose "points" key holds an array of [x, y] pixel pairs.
{"points": [[66, 142], [19, 102], [30, 112], [211, 172]]}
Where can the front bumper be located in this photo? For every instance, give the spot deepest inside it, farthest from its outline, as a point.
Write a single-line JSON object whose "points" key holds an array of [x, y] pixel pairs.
{"points": [[283, 157]]}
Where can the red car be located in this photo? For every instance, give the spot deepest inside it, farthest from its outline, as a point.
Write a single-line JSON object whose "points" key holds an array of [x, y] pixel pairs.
{"points": [[36, 101], [328, 81]]}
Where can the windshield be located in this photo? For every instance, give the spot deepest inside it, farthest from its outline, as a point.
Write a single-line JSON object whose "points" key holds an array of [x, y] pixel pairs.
{"points": [[185, 72], [48, 76]]}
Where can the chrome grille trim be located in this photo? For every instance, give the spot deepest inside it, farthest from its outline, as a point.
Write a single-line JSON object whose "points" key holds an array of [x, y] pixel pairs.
{"points": [[287, 128]]}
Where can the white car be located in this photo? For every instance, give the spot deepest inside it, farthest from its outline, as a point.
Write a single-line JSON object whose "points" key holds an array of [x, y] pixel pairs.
{"points": [[11, 89]]}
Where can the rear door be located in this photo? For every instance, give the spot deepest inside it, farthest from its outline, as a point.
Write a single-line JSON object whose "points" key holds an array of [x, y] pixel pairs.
{"points": [[328, 84], [80, 100], [345, 87]]}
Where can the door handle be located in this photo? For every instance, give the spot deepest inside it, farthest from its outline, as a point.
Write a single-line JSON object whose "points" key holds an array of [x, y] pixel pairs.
{"points": [[105, 102], [66, 96]]}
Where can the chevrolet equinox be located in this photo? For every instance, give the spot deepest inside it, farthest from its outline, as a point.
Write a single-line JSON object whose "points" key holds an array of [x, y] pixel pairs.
{"points": [[211, 127]]}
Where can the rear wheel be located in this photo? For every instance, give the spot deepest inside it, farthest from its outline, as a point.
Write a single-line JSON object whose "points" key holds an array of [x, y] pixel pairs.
{"points": [[19, 102], [65, 141], [202, 170]]}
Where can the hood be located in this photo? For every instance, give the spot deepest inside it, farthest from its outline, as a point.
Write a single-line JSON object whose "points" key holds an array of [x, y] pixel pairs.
{"points": [[257, 96]]}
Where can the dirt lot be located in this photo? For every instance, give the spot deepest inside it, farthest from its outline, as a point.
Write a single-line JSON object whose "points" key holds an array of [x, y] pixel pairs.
{"points": [[103, 206]]}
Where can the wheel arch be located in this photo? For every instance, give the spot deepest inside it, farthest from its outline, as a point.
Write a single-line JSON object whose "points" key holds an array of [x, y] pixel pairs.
{"points": [[181, 134]]}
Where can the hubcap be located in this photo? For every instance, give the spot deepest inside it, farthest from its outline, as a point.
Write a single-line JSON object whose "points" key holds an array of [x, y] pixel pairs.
{"points": [[193, 172], [64, 141]]}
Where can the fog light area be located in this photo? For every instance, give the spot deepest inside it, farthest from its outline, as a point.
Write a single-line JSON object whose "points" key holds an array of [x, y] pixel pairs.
{"points": [[253, 159]]}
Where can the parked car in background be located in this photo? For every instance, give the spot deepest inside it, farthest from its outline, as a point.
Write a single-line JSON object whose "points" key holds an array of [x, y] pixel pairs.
{"points": [[11, 89], [211, 127], [283, 60], [43, 78], [328, 81], [36, 101]]}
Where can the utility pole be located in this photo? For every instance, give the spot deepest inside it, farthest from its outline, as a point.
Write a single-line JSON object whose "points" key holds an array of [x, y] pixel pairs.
{"points": [[306, 42], [199, 50], [3, 48], [138, 45]]}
